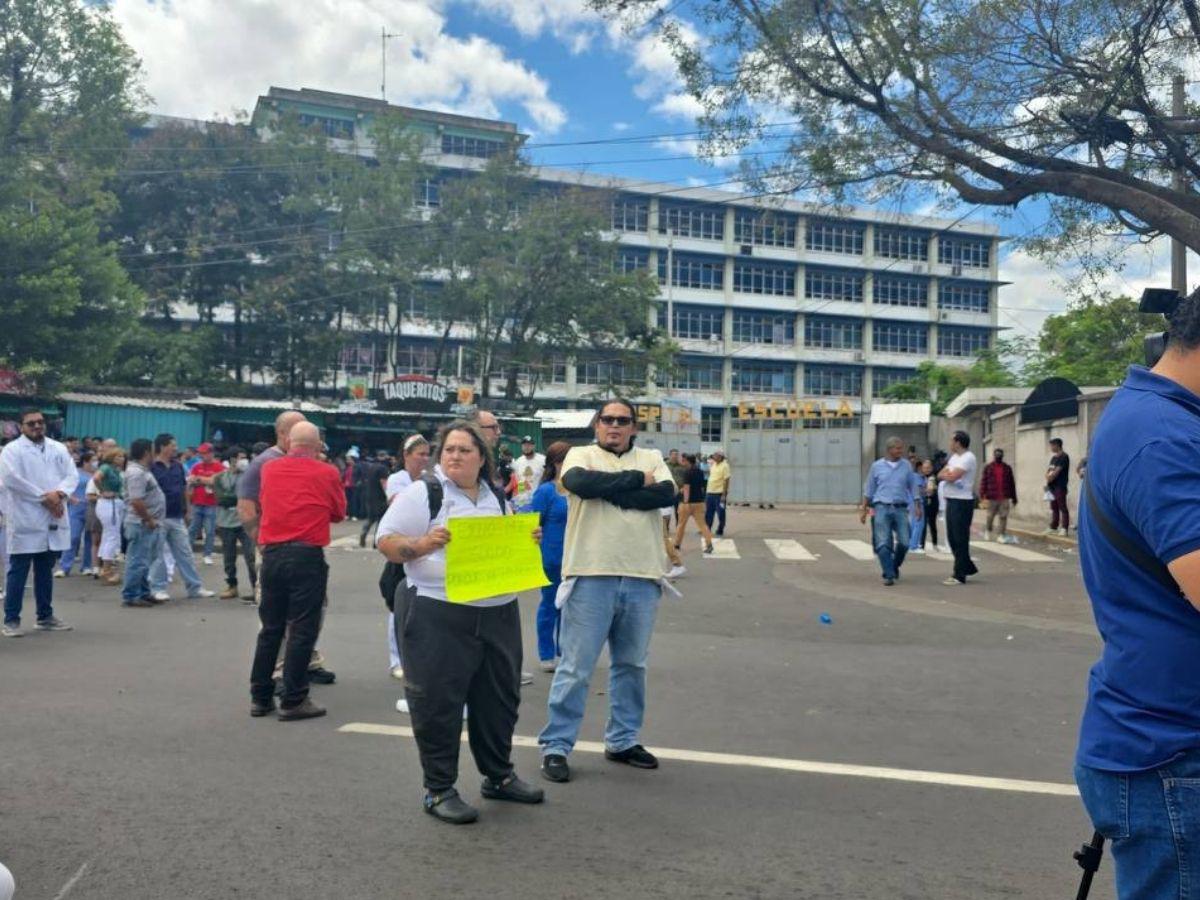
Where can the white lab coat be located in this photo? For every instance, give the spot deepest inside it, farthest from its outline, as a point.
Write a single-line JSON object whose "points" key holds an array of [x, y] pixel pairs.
{"points": [[27, 472]]}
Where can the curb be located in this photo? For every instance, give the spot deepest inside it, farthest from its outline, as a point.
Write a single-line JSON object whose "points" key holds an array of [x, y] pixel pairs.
{"points": [[1051, 538]]}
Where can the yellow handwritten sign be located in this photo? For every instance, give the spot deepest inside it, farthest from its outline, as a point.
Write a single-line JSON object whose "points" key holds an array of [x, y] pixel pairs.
{"points": [[492, 555]]}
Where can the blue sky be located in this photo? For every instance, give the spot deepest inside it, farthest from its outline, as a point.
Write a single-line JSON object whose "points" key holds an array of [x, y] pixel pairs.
{"points": [[553, 67]]}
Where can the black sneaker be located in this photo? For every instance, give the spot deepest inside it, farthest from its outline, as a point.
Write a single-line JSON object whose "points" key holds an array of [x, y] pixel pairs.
{"points": [[306, 710], [555, 768], [449, 807], [321, 676], [258, 710], [889, 581], [637, 756], [511, 788]]}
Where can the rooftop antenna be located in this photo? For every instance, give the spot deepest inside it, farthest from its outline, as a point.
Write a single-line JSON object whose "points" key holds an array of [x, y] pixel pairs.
{"points": [[384, 34]]}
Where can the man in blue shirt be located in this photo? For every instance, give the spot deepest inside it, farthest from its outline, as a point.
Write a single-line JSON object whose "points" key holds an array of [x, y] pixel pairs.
{"points": [[169, 474], [889, 492], [1138, 762]]}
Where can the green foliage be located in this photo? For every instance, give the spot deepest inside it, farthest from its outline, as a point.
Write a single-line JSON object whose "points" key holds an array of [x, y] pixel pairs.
{"points": [[937, 384], [1092, 343]]}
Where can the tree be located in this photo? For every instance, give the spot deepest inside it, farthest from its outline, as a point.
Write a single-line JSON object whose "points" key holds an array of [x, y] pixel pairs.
{"points": [[997, 102], [938, 384], [68, 96], [1092, 343]]}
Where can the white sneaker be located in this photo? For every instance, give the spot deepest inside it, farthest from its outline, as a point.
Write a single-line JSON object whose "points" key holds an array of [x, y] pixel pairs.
{"points": [[162, 596], [85, 571], [920, 551], [548, 665], [402, 706], [59, 573], [201, 594], [398, 672], [677, 572], [208, 561], [1066, 532]]}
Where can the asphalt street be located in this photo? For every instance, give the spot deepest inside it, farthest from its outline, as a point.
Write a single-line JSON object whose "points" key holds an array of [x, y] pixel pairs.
{"points": [[131, 770]]}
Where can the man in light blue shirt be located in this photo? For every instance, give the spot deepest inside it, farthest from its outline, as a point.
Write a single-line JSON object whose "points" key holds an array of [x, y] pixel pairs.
{"points": [[888, 494]]}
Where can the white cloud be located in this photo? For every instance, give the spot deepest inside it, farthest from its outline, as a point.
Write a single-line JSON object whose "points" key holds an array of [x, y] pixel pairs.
{"points": [[621, 126], [678, 105], [202, 57], [568, 20]]}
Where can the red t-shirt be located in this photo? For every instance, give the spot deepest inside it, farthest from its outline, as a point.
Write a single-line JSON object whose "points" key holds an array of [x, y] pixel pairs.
{"points": [[300, 497], [202, 494]]}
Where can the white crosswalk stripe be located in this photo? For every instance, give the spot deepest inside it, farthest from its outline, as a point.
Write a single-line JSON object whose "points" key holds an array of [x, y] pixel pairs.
{"points": [[859, 550], [789, 550], [724, 548], [1018, 553]]}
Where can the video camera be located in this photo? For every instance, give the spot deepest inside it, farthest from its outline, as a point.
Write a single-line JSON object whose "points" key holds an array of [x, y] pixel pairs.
{"points": [[1158, 300]]}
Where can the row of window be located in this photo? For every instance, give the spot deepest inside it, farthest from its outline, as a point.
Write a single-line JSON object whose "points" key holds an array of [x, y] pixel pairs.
{"points": [[481, 148]]}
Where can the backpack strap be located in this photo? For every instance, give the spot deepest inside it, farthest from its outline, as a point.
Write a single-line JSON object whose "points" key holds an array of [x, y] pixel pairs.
{"points": [[1133, 551], [436, 492]]}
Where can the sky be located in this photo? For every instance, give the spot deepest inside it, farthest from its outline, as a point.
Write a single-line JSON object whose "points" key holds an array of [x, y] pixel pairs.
{"points": [[556, 69]]}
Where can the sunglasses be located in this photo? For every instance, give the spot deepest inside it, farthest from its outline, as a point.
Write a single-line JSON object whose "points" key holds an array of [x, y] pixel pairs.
{"points": [[616, 420]]}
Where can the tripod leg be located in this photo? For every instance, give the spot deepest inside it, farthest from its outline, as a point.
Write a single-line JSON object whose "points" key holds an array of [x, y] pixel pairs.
{"points": [[1088, 856]]}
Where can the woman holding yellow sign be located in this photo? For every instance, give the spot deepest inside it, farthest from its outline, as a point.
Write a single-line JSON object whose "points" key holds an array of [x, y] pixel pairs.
{"points": [[458, 652]]}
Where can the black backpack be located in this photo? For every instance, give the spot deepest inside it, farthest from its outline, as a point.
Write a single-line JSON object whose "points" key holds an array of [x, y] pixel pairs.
{"points": [[392, 576]]}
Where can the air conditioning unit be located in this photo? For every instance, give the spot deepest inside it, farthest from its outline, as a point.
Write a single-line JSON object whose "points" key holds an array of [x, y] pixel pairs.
{"points": [[956, 269], [918, 268], [746, 250], [858, 356]]}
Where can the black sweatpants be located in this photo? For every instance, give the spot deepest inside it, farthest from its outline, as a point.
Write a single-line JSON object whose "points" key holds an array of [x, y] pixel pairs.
{"points": [[958, 533], [930, 527], [453, 654], [294, 579]]}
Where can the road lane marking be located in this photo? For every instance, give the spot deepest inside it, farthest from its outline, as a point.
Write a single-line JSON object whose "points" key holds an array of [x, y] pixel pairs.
{"points": [[66, 888], [918, 776], [1018, 553], [787, 549], [859, 550], [724, 548]]}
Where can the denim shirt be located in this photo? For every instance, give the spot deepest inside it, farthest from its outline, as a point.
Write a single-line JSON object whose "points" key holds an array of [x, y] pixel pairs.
{"points": [[889, 484]]}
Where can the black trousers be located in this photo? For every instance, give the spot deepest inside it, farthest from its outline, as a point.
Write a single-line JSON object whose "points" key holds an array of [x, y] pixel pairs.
{"points": [[454, 654], [294, 578], [229, 553], [958, 532], [931, 514]]}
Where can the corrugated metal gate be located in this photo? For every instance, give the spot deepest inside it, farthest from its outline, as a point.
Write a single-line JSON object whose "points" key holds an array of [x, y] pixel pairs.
{"points": [[817, 464]]}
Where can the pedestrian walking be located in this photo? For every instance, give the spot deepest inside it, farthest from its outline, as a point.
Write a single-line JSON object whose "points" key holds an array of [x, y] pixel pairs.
{"points": [[415, 457], [612, 569], [456, 653], [77, 510], [203, 499], [229, 526], [888, 494], [145, 511], [998, 487], [300, 497], [1058, 474], [929, 495], [170, 475], [692, 505], [110, 510], [549, 501], [716, 492], [916, 511], [958, 489], [677, 469], [37, 477], [349, 483], [372, 481]]}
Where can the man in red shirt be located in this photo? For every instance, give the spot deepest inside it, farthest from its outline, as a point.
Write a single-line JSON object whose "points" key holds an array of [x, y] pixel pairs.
{"points": [[203, 499], [300, 496], [999, 489]]}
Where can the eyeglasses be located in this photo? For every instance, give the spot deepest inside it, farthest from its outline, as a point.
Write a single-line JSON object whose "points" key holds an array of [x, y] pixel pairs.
{"points": [[620, 421]]}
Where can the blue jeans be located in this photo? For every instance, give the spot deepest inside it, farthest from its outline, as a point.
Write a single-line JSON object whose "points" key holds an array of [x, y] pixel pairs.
{"points": [[204, 517], [144, 547], [1153, 821], [78, 532], [175, 536], [714, 508], [602, 608], [916, 530], [547, 614], [43, 584], [889, 520]]}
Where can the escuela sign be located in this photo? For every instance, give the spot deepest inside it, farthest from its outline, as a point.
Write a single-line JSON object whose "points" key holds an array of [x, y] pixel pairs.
{"points": [[793, 409]]}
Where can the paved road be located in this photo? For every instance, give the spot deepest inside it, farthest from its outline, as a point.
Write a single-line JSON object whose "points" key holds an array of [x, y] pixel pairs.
{"points": [[130, 769]]}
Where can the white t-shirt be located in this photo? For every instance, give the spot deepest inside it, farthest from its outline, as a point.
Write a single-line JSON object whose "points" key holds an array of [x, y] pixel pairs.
{"points": [[409, 515], [964, 488], [396, 482], [529, 475]]}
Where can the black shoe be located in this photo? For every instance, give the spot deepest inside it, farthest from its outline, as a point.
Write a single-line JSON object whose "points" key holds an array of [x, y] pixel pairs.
{"points": [[449, 807], [306, 710], [258, 710], [708, 549], [139, 603], [321, 676], [511, 788], [362, 540], [888, 582], [555, 768], [637, 756]]}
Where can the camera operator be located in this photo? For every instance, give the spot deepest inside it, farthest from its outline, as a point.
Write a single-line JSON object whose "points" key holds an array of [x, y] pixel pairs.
{"points": [[1138, 762]]}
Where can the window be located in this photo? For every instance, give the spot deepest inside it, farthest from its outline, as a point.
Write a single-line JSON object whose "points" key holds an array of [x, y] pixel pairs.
{"points": [[901, 243], [832, 333], [764, 278], [422, 301], [698, 323], [962, 341], [686, 220], [752, 327], [630, 214], [330, 127], [698, 373], [693, 271], [428, 193], [631, 259], [555, 372], [882, 379], [833, 284], [710, 424], [766, 229], [900, 337], [417, 358], [832, 381], [834, 237], [483, 148], [754, 377], [604, 372], [358, 358], [901, 290], [963, 251], [963, 295]]}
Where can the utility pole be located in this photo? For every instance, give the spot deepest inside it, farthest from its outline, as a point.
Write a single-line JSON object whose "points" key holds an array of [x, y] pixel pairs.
{"points": [[384, 35], [1178, 251]]}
